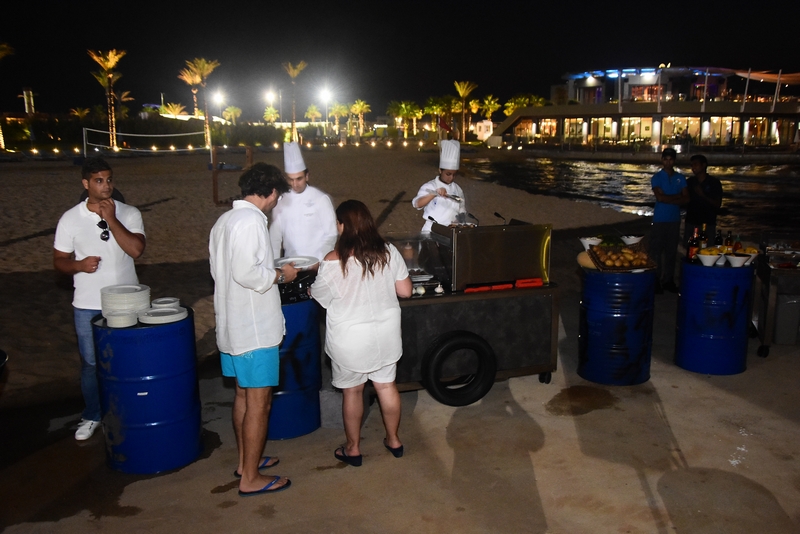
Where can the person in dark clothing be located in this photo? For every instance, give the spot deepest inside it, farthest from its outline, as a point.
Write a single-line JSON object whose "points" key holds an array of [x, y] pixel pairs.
{"points": [[705, 199]]}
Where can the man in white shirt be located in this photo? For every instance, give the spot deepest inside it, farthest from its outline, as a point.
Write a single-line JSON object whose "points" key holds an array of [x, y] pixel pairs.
{"points": [[249, 320], [304, 222], [441, 198], [96, 242]]}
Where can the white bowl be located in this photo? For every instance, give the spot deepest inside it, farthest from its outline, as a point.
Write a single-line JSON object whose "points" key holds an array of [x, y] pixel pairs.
{"points": [[589, 241], [752, 258], [737, 260], [631, 239], [708, 259]]}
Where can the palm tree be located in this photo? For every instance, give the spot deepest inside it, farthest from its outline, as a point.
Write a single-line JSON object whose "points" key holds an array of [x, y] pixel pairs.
{"points": [[107, 77], [435, 108], [81, 113], [313, 113], [174, 109], [193, 80], [360, 108], [394, 109], [202, 68], [474, 107], [338, 110], [271, 115], [232, 113], [122, 111], [294, 71], [464, 89], [490, 105], [5, 50], [409, 110]]}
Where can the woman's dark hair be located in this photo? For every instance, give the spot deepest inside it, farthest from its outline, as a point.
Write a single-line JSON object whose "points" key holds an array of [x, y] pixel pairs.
{"points": [[261, 179], [360, 238]]}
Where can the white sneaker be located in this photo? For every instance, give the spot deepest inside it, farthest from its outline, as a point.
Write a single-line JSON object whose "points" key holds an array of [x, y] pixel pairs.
{"points": [[85, 429]]}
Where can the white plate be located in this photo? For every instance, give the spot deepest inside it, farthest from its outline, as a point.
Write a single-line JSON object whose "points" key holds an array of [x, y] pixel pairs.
{"points": [[300, 262], [123, 289], [162, 315], [166, 302]]}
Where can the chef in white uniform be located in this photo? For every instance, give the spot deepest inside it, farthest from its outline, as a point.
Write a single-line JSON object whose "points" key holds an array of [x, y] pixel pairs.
{"points": [[304, 221], [434, 197]]}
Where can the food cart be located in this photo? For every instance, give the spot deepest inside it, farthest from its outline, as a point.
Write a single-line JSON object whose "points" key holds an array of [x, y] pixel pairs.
{"points": [[483, 309]]}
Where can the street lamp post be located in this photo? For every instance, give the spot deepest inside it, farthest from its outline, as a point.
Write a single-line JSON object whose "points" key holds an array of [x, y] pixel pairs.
{"points": [[326, 96]]}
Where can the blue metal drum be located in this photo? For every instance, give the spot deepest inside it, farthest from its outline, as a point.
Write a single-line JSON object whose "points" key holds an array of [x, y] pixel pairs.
{"points": [[149, 395], [713, 319], [616, 327], [295, 401]]}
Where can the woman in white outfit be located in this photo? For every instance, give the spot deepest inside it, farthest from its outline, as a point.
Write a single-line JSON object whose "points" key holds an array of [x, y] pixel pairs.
{"points": [[358, 283]]}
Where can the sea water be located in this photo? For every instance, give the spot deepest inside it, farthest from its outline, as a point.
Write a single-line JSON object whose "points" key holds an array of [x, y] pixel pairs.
{"points": [[756, 198]]}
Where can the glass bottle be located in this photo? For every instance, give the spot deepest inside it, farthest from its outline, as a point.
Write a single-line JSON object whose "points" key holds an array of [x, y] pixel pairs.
{"points": [[703, 236], [694, 245], [718, 239], [728, 243]]}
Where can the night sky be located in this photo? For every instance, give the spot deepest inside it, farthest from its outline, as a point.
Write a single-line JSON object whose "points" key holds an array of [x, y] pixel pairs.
{"points": [[374, 51]]}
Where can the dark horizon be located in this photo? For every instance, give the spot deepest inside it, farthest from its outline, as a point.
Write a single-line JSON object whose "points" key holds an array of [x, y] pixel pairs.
{"points": [[370, 51]]}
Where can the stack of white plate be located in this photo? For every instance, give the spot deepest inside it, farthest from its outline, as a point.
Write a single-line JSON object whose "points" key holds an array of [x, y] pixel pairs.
{"points": [[166, 302], [121, 319], [124, 298], [162, 315]]}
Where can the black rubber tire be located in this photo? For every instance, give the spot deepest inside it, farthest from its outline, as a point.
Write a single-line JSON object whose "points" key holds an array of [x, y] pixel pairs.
{"points": [[545, 378], [472, 387]]}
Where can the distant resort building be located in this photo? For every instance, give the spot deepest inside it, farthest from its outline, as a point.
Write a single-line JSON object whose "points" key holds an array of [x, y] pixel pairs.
{"points": [[654, 107]]}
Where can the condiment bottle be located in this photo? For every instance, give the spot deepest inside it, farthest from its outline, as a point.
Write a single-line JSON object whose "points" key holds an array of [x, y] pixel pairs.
{"points": [[718, 239], [703, 237]]}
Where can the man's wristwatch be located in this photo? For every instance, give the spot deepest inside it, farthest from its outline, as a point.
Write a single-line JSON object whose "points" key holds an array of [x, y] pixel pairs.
{"points": [[281, 277]]}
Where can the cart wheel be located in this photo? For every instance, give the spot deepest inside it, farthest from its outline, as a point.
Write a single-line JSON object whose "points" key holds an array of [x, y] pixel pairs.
{"points": [[753, 331], [545, 378], [467, 356], [763, 351]]}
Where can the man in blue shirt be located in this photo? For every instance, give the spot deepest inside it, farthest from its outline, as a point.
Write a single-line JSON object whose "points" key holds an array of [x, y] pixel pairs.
{"points": [[669, 188]]}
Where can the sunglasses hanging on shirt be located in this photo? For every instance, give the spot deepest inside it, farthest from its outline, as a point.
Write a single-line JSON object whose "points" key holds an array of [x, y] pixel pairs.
{"points": [[103, 225]]}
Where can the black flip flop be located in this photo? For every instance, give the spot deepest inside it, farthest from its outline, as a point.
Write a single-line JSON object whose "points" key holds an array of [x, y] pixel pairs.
{"points": [[355, 461], [397, 452]]}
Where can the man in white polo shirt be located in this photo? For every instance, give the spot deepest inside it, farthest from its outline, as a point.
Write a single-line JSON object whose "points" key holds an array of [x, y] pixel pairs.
{"points": [[304, 222], [96, 243]]}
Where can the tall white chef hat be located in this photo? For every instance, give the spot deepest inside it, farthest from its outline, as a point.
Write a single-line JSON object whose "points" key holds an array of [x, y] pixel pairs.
{"points": [[450, 154], [292, 158]]}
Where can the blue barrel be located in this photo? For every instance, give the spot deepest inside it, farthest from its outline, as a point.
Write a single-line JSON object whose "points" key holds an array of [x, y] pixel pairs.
{"points": [[149, 395], [295, 401], [616, 327], [713, 323]]}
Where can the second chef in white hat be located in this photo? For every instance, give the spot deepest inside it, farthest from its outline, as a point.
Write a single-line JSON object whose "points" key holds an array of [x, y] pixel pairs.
{"points": [[442, 199], [304, 221]]}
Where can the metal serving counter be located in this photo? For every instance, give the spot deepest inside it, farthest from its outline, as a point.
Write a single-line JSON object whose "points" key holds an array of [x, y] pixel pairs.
{"points": [[777, 273]]}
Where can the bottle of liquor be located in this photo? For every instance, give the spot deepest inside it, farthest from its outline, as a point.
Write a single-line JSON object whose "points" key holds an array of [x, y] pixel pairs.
{"points": [[728, 243], [737, 245], [693, 245], [718, 239], [703, 237]]}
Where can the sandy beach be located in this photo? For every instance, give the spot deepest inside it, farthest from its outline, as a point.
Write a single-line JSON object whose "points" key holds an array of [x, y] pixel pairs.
{"points": [[174, 194]]}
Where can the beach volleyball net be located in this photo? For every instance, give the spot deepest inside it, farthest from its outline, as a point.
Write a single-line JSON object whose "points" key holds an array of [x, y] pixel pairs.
{"points": [[99, 141]]}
